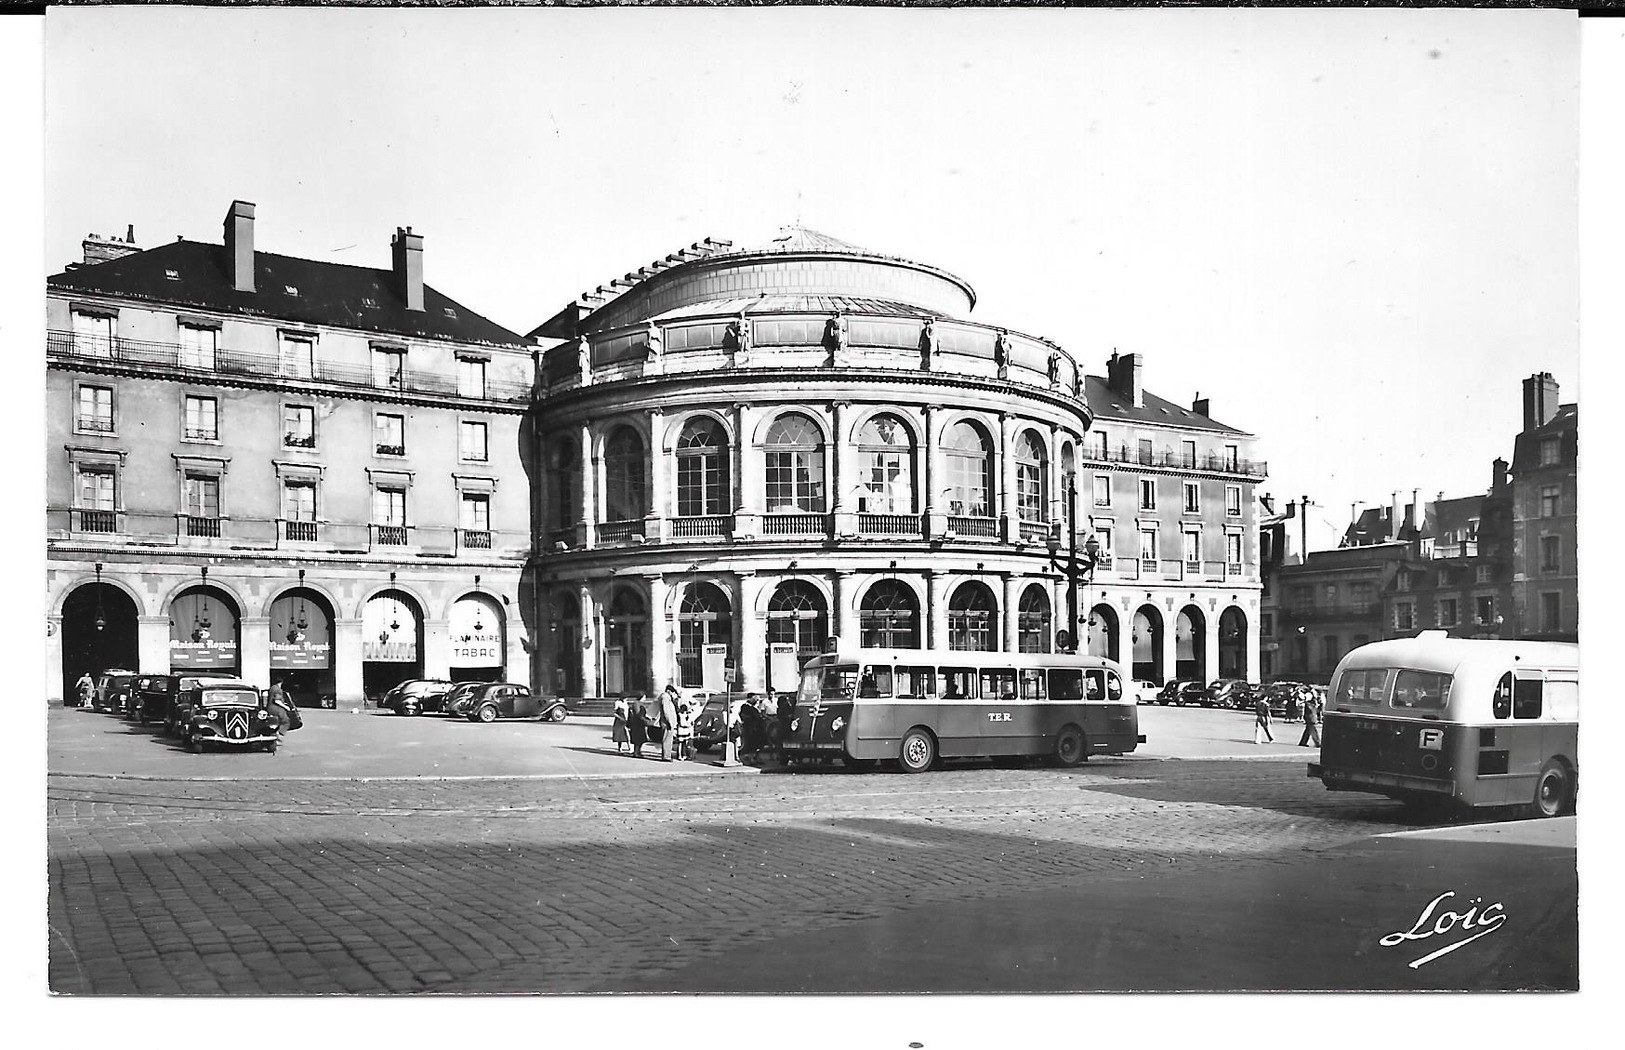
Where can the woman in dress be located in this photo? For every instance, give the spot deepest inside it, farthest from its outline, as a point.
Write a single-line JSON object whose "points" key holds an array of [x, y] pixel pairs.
{"points": [[637, 728], [618, 733]]}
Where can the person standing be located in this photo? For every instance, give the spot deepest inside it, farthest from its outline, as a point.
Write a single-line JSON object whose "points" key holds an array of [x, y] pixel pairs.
{"points": [[1311, 721], [277, 699], [685, 731], [668, 721], [638, 728], [1261, 721], [86, 687], [618, 732]]}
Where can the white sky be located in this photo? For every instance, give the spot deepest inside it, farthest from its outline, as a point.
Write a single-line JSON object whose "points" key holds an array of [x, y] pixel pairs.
{"points": [[1355, 232]]}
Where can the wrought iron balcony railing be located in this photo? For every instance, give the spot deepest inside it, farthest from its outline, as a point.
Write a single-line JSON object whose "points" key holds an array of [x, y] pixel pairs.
{"points": [[1177, 460], [94, 424]]}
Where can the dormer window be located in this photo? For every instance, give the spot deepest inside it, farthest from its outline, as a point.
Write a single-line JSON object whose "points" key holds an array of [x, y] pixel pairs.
{"points": [[173, 275], [450, 312], [290, 289], [367, 300]]}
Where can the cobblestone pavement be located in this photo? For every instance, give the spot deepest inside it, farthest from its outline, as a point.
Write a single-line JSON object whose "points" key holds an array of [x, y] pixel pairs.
{"points": [[595, 884]]}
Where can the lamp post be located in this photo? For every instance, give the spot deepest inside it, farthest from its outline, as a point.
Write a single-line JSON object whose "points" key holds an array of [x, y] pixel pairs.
{"points": [[1079, 572]]}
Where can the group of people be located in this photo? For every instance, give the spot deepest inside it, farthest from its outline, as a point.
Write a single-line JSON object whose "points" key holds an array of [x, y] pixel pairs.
{"points": [[750, 723], [1306, 701]]}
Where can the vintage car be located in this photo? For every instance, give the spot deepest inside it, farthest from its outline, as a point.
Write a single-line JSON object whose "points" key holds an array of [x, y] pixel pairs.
{"points": [[456, 701], [227, 713], [1231, 692], [112, 690], [151, 697], [711, 724], [183, 682], [494, 700], [417, 695]]}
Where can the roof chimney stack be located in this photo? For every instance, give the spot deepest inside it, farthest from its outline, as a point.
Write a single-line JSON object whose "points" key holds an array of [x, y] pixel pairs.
{"points": [[1539, 400], [1123, 375], [408, 252], [239, 226], [1200, 405], [1395, 519], [99, 250]]}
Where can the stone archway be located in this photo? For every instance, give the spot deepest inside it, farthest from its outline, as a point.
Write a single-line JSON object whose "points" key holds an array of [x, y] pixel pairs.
{"points": [[302, 646], [1233, 644], [99, 631], [1146, 639], [204, 633], [1190, 645], [1103, 631], [391, 641]]}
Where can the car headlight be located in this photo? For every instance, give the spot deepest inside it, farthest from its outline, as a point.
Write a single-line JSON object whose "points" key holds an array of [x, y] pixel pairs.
{"points": [[263, 715], [835, 726], [212, 715]]}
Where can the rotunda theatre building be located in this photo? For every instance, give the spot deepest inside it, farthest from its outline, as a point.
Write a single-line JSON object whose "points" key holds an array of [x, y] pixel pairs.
{"points": [[748, 452]]}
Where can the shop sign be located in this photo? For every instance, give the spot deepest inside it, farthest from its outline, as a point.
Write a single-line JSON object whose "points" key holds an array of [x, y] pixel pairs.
{"points": [[477, 650], [300, 656], [193, 656], [393, 651]]}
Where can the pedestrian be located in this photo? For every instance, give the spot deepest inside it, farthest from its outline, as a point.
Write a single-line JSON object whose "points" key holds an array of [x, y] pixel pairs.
{"points": [[637, 728], [685, 731], [276, 698], [618, 732], [1261, 721], [1311, 721], [668, 721], [86, 687]]}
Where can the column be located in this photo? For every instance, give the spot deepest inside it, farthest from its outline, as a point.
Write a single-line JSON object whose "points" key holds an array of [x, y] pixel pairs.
{"points": [[348, 687], [749, 481], [654, 522], [591, 644], [752, 657], [845, 613], [661, 628], [152, 645], [586, 534], [1210, 644], [517, 662], [844, 477], [436, 648], [936, 610], [1007, 479], [1057, 616], [1055, 485], [1170, 643], [253, 649], [53, 661], [1012, 601], [936, 477]]}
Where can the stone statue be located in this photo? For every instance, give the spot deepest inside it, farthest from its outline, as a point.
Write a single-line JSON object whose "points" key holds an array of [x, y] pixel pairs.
{"points": [[928, 342], [584, 359], [835, 335], [1001, 353], [1054, 368], [655, 345]]}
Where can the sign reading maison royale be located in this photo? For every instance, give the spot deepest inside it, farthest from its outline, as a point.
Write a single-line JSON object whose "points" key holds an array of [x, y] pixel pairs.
{"points": [[297, 656], [188, 655]]}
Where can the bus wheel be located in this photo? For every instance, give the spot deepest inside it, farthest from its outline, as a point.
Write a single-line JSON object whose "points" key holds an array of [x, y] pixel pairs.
{"points": [[917, 751], [1554, 789], [1069, 747]]}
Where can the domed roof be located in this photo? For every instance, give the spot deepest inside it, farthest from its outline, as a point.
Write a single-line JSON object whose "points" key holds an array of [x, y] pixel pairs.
{"points": [[801, 239]]}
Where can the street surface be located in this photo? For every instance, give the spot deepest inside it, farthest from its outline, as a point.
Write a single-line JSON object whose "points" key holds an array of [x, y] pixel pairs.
{"points": [[348, 862]]}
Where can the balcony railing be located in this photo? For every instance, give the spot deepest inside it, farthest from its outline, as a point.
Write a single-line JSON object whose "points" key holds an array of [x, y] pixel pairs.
{"points": [[1465, 549], [796, 524], [980, 528], [299, 440], [94, 424], [98, 520], [197, 526], [620, 531], [390, 450], [1232, 568], [200, 434], [1034, 531], [1177, 460], [300, 531], [389, 535], [710, 527], [889, 524], [64, 345], [474, 539]]}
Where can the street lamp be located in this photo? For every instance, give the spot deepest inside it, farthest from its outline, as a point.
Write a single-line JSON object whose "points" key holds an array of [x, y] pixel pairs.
{"points": [[1079, 572]]}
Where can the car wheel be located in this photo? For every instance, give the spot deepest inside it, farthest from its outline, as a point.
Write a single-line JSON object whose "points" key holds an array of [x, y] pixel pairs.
{"points": [[917, 752], [1069, 747], [557, 714], [486, 714], [1554, 789]]}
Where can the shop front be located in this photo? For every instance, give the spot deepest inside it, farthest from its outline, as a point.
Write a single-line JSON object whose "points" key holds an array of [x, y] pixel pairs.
{"points": [[478, 647], [203, 633], [302, 647], [391, 642]]}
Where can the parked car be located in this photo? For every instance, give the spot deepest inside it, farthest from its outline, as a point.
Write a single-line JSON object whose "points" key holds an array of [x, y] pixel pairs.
{"points": [[1169, 693], [183, 682], [456, 700], [151, 697], [1144, 692], [1193, 693], [711, 724], [227, 713], [416, 695], [112, 690], [1282, 697], [494, 700], [1230, 692]]}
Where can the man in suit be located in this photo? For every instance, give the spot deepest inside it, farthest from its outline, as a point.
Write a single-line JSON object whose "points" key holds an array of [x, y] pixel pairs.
{"points": [[668, 721]]}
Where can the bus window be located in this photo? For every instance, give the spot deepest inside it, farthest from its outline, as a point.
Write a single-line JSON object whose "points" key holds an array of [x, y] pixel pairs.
{"points": [[876, 681], [958, 683], [1421, 690], [1096, 681], [1501, 706], [839, 683], [1114, 686], [1362, 687], [1000, 683], [1065, 683], [916, 682], [1032, 684], [1526, 697]]}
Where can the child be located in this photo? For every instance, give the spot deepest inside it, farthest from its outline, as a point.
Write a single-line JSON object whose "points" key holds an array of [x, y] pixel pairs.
{"points": [[685, 731]]}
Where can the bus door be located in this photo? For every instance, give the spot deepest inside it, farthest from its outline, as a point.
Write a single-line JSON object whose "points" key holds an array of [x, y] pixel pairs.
{"points": [[1107, 718], [991, 726], [1024, 732], [962, 707]]}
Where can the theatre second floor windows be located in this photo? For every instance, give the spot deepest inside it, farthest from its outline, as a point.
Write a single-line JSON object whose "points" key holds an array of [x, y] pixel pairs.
{"points": [[702, 469]]}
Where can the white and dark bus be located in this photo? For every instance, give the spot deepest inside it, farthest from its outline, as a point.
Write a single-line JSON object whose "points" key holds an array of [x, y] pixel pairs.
{"points": [[1456, 722], [915, 706]]}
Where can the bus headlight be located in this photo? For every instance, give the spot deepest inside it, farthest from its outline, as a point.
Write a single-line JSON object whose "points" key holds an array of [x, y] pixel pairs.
{"points": [[795, 724], [835, 726]]}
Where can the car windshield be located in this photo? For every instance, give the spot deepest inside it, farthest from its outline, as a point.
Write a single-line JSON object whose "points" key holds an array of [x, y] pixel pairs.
{"points": [[229, 697]]}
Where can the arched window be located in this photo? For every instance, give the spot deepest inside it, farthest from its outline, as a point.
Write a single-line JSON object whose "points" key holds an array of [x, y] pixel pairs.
{"points": [[887, 473], [972, 619], [969, 456], [889, 617], [796, 615], [702, 469], [1032, 497], [625, 485], [1033, 620], [795, 465], [562, 467], [705, 617]]}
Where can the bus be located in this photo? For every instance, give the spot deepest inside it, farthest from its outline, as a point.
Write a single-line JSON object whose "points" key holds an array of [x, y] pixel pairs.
{"points": [[1456, 723], [915, 706]]}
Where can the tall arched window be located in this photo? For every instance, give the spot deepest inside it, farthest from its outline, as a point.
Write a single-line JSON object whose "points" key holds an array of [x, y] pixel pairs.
{"points": [[795, 465], [1032, 497], [705, 617], [702, 469], [626, 656], [889, 617], [796, 614], [973, 619], [1033, 620], [886, 449], [625, 485], [563, 466], [969, 456]]}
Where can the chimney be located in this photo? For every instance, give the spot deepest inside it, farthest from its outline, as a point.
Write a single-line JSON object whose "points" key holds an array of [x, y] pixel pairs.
{"points": [[1416, 509], [1539, 400], [1123, 373], [239, 226], [1498, 479], [408, 253], [1395, 520], [99, 250], [1199, 406]]}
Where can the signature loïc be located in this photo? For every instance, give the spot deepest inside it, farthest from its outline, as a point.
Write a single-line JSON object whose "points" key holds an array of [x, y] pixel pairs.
{"points": [[1475, 922]]}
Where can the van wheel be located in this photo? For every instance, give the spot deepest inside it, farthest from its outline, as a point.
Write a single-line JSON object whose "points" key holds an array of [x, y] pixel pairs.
{"points": [[1070, 747], [1554, 789], [917, 752]]}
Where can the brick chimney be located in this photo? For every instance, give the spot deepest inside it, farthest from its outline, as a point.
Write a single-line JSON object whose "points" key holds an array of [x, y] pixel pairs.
{"points": [[1123, 374], [1395, 518], [1498, 477], [105, 249], [1200, 405], [407, 248], [239, 226], [1539, 400]]}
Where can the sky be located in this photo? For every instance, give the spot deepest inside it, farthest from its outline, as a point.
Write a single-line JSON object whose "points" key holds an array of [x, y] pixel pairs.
{"points": [[1354, 232]]}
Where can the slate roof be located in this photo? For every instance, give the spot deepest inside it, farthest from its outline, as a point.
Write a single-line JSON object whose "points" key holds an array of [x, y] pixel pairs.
{"points": [[801, 239], [1108, 404], [1565, 425], [336, 294], [795, 304]]}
